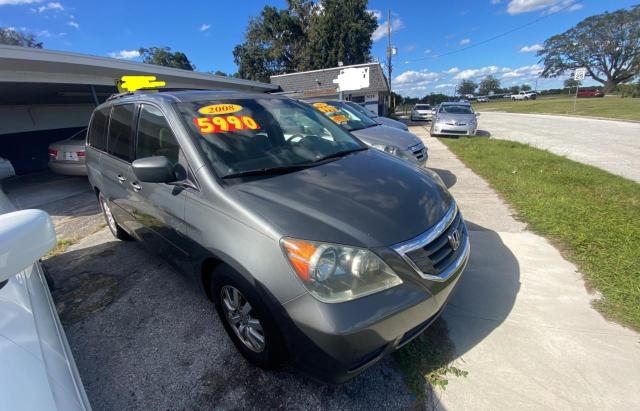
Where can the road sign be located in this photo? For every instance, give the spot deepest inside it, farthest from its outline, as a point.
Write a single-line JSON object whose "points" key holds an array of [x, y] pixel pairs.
{"points": [[579, 73]]}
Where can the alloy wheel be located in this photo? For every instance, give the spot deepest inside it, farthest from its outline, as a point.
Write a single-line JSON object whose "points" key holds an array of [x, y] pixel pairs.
{"points": [[240, 315], [107, 213]]}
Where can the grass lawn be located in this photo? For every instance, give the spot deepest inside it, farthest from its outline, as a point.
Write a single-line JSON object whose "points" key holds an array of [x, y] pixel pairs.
{"points": [[609, 107], [591, 215]]}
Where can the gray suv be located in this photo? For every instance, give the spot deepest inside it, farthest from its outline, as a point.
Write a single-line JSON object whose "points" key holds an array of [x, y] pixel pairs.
{"points": [[314, 248]]}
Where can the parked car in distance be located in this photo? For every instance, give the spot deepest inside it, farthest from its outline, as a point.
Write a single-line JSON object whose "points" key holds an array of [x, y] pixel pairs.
{"points": [[384, 121], [524, 95], [396, 142], [421, 112], [483, 99], [454, 119], [590, 92], [68, 156], [38, 371], [314, 248], [6, 168]]}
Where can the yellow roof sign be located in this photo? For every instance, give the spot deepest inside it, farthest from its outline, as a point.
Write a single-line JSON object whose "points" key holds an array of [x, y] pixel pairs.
{"points": [[133, 83]]}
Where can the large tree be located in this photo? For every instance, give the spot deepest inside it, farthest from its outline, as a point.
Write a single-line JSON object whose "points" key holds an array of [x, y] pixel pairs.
{"points": [[571, 83], [467, 87], [607, 45], [13, 37], [305, 36], [163, 56], [489, 84], [340, 32]]}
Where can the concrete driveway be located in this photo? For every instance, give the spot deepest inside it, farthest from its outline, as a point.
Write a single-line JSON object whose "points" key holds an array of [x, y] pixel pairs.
{"points": [[521, 318], [610, 145]]}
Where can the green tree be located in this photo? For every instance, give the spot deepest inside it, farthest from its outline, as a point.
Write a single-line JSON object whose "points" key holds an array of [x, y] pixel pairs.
{"points": [[571, 83], [340, 32], [467, 87], [163, 56], [514, 89], [607, 45], [489, 84], [525, 87], [16, 38]]}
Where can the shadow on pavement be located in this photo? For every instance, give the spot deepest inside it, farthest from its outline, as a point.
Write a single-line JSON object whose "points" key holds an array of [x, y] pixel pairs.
{"points": [[145, 337], [447, 176]]}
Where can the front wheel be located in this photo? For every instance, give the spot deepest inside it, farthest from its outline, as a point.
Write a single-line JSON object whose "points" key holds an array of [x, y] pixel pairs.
{"points": [[246, 319], [115, 229]]}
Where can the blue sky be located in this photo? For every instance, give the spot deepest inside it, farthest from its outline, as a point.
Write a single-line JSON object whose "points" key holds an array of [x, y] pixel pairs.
{"points": [[431, 36]]}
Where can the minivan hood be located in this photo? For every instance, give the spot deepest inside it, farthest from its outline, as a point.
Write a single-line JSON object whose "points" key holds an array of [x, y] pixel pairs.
{"points": [[367, 199], [387, 135], [389, 122]]}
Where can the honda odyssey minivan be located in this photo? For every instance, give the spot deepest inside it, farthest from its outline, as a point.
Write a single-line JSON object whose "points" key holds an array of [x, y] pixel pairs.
{"points": [[314, 248]]}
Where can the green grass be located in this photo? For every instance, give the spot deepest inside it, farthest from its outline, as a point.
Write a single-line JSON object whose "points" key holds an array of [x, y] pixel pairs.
{"points": [[609, 107], [426, 360], [592, 216]]}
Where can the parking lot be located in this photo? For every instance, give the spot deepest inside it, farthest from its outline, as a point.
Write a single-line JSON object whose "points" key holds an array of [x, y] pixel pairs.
{"points": [[144, 336]]}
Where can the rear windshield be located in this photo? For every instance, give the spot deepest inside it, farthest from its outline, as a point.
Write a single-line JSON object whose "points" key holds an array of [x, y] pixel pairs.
{"points": [[80, 135], [244, 135], [343, 114], [423, 107], [357, 107], [456, 109]]}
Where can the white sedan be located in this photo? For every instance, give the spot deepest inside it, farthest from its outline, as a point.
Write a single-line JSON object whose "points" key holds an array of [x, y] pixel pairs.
{"points": [[38, 371]]}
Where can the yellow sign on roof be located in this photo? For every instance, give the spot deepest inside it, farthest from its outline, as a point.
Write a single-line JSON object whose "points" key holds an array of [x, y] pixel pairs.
{"points": [[133, 83]]}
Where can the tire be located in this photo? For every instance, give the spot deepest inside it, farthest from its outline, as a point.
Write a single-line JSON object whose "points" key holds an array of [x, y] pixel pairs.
{"points": [[113, 225], [271, 352]]}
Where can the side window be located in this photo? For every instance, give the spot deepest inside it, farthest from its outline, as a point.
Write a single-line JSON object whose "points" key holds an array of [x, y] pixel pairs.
{"points": [[98, 129], [155, 137], [120, 143]]}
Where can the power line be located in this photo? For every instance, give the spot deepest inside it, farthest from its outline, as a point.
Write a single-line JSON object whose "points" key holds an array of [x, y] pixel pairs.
{"points": [[506, 33]]}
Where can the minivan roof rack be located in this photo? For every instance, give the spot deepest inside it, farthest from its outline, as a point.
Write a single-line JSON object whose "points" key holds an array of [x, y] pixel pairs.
{"points": [[149, 90]]}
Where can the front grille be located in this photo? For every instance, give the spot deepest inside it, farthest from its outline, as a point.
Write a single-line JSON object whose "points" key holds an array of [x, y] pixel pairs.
{"points": [[419, 151], [454, 131], [436, 256]]}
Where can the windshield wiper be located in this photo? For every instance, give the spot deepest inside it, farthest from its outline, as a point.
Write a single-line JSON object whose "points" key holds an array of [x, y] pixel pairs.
{"points": [[268, 171], [340, 154]]}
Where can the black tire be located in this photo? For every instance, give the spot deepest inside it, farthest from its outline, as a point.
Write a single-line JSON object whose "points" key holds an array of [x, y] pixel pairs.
{"points": [[273, 351], [113, 225]]}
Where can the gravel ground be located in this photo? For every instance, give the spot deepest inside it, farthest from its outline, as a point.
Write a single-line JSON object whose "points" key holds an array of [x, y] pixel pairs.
{"points": [[145, 337]]}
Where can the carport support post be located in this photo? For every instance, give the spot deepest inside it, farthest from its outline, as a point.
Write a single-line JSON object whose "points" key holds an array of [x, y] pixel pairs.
{"points": [[95, 96], [575, 99]]}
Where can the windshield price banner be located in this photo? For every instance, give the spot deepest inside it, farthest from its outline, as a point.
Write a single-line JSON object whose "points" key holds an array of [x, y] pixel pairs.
{"points": [[223, 124]]}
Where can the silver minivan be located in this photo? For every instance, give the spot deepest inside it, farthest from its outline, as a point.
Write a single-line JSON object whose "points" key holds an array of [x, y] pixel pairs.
{"points": [[314, 248]]}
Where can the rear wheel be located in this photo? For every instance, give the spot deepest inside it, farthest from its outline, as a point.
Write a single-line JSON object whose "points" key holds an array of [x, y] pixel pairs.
{"points": [[246, 319], [116, 230]]}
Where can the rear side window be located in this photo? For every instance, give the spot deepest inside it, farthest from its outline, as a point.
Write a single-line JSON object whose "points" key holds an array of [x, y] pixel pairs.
{"points": [[98, 129], [155, 137], [120, 135]]}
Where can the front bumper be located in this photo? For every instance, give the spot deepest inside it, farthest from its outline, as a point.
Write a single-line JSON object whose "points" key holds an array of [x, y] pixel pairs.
{"points": [[418, 116], [454, 130], [335, 342]]}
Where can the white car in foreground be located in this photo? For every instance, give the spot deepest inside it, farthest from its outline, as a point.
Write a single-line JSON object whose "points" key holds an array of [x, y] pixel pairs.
{"points": [[37, 370]]}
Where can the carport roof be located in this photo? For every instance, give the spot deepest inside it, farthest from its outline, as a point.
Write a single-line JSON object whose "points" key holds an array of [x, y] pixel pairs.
{"points": [[29, 65]]}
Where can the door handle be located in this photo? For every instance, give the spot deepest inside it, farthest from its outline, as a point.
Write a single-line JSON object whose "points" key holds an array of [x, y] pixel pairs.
{"points": [[121, 179], [136, 187]]}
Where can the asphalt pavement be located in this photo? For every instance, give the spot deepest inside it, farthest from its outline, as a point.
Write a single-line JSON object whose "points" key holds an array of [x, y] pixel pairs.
{"points": [[608, 144]]}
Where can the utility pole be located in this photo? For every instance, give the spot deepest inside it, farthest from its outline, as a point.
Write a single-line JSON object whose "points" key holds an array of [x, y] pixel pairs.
{"points": [[389, 53]]}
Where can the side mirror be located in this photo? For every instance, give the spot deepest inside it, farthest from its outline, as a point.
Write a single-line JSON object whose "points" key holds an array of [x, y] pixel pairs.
{"points": [[157, 169], [477, 114], [25, 236]]}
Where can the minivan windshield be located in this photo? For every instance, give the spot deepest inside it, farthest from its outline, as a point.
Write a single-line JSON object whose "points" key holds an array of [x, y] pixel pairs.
{"points": [[264, 136], [344, 115], [457, 109]]}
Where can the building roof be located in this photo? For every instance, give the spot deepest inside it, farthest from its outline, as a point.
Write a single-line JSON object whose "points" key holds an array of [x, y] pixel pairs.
{"points": [[320, 82], [30, 65]]}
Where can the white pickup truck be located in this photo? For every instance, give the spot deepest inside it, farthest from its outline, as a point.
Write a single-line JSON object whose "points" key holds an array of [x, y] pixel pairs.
{"points": [[524, 95]]}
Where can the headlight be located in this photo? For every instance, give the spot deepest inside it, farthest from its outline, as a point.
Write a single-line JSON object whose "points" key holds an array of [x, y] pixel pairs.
{"points": [[335, 273], [395, 151]]}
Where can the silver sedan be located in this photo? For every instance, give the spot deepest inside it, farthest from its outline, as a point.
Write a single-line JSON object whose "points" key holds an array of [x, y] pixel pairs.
{"points": [[454, 119], [68, 156]]}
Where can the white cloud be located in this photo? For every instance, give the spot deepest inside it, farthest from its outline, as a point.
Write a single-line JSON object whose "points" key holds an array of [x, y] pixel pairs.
{"points": [[50, 6], [476, 73], [445, 85], [453, 70], [205, 27], [381, 31], [495, 1], [73, 24], [549, 6], [125, 54], [531, 49], [417, 77], [465, 42], [376, 13], [410, 48], [16, 2], [525, 72], [427, 51], [43, 33]]}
